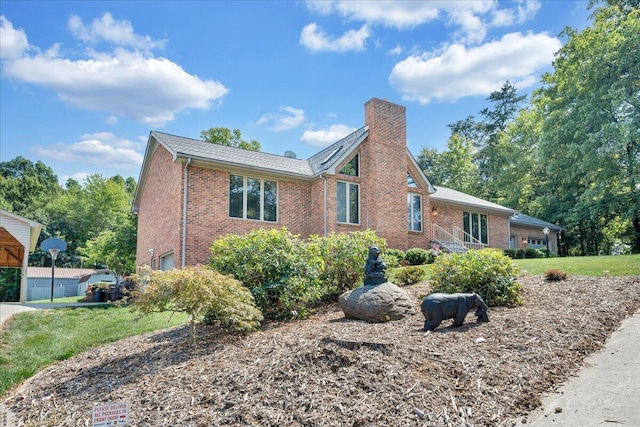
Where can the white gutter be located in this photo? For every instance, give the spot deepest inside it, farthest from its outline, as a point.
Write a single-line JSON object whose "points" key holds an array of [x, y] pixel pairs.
{"points": [[184, 213], [324, 214]]}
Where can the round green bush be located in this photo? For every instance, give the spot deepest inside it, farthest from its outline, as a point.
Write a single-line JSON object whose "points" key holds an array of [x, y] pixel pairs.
{"points": [[487, 272], [419, 256], [409, 275]]}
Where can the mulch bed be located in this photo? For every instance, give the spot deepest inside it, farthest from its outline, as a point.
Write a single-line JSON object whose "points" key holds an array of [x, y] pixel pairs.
{"points": [[330, 371]]}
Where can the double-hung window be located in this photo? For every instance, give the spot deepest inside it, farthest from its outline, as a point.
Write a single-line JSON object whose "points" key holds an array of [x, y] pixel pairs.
{"points": [[348, 201], [414, 211], [253, 198], [475, 225]]}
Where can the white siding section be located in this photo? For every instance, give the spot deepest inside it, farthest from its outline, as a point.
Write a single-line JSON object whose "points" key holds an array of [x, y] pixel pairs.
{"points": [[20, 230]]}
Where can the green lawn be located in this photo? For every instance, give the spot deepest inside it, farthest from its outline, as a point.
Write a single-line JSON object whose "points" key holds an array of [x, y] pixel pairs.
{"points": [[33, 340], [612, 265]]}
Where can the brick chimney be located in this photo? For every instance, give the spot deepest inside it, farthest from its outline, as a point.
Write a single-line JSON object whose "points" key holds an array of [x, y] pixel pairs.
{"points": [[385, 165]]}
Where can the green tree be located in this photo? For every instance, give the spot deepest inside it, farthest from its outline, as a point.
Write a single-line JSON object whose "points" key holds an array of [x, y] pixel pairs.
{"points": [[26, 188], [116, 249], [82, 212], [491, 147], [432, 164], [228, 137], [591, 134]]}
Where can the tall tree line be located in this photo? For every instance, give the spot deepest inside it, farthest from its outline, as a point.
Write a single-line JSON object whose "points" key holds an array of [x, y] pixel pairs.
{"points": [[94, 217], [572, 155]]}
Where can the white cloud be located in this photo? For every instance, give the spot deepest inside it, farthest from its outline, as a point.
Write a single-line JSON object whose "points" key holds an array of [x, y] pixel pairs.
{"points": [[315, 39], [117, 32], [104, 149], [13, 43], [458, 72], [287, 118], [122, 82], [396, 50], [325, 137], [471, 18], [397, 14]]}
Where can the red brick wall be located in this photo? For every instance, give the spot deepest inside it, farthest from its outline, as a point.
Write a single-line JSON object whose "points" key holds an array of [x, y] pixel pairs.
{"points": [[535, 233], [208, 211], [160, 209], [448, 217]]}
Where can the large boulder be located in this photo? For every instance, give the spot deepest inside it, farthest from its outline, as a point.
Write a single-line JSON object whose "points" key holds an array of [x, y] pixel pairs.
{"points": [[378, 303]]}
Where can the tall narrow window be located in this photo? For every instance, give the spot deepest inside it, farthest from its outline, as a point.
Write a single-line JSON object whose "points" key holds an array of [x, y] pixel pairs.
{"points": [[352, 168], [348, 202], [476, 226], [414, 212], [253, 198]]}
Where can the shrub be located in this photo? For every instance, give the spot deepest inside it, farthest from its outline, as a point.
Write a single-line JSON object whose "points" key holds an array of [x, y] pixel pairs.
{"points": [[344, 256], [281, 271], [409, 275], [419, 256], [199, 292], [511, 253], [488, 272], [555, 275], [393, 257], [286, 274]]}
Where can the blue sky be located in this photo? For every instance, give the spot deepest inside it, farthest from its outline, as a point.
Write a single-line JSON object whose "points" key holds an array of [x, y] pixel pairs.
{"points": [[83, 83]]}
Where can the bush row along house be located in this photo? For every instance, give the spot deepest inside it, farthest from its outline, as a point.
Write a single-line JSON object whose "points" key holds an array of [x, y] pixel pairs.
{"points": [[191, 192]]}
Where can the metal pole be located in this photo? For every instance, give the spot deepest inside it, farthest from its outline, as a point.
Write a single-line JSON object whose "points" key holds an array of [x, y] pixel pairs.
{"points": [[53, 269], [547, 246], [54, 255]]}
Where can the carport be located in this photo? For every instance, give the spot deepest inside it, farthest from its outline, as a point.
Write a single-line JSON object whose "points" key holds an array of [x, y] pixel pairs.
{"points": [[18, 237]]}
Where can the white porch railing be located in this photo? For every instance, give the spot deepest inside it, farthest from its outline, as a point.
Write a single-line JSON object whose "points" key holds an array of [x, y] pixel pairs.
{"points": [[469, 241], [447, 241]]}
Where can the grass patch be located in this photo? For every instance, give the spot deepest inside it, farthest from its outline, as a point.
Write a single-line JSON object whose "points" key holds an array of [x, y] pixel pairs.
{"points": [[33, 340], [610, 265], [614, 265]]}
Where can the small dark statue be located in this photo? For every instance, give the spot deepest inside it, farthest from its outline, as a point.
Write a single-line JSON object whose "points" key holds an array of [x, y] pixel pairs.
{"points": [[437, 307], [374, 268]]}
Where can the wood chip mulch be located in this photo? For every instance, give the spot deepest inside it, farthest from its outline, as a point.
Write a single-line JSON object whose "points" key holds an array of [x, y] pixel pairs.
{"points": [[330, 371]]}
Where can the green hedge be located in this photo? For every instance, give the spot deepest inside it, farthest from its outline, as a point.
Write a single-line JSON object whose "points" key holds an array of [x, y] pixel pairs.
{"points": [[287, 274]]}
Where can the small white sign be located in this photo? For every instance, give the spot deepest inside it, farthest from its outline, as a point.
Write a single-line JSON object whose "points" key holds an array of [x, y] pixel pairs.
{"points": [[111, 414]]}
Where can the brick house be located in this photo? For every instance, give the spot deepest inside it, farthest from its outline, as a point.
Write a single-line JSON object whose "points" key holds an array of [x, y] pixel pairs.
{"points": [[191, 192]]}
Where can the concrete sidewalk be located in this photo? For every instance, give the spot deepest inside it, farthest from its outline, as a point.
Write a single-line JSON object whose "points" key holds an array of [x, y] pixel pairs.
{"points": [[606, 390]]}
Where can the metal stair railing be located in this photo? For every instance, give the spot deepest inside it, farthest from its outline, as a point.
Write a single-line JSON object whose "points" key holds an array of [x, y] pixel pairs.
{"points": [[469, 241], [446, 240]]}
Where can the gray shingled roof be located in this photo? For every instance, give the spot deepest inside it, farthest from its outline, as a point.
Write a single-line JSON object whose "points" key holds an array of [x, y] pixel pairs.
{"points": [[333, 153], [529, 221], [447, 195], [215, 153]]}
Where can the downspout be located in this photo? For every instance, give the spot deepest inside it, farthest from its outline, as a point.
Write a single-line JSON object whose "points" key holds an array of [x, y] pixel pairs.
{"points": [[184, 212], [324, 207]]}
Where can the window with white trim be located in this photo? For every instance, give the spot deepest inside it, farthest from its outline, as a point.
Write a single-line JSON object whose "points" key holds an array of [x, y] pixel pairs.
{"points": [[475, 225], [348, 202], [253, 198], [414, 212]]}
